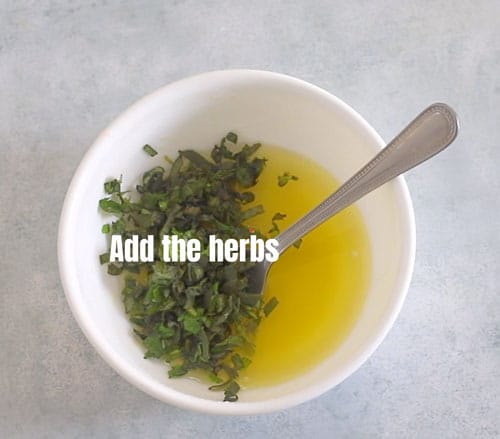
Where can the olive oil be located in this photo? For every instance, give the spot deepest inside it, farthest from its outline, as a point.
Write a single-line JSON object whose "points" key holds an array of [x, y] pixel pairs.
{"points": [[320, 286]]}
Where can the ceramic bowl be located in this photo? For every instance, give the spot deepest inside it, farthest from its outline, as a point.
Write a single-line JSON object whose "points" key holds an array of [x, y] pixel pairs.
{"points": [[196, 111]]}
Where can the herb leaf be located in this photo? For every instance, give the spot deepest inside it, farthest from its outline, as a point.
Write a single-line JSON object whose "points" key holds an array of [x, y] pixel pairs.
{"points": [[150, 150], [270, 305], [285, 178], [233, 138], [112, 186], [231, 392], [278, 216], [192, 315]]}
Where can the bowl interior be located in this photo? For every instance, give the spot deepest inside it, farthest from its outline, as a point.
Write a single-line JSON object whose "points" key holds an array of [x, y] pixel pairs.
{"points": [[195, 113]]}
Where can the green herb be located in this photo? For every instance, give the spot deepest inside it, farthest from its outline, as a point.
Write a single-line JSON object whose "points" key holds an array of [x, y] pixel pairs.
{"points": [[278, 216], [269, 306], [274, 230], [231, 392], [150, 150], [297, 243], [110, 206], [177, 371], [285, 178], [104, 258], [233, 138], [192, 315], [115, 269], [113, 186]]}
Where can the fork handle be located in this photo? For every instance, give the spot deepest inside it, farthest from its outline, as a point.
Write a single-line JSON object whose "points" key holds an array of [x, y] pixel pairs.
{"points": [[429, 133]]}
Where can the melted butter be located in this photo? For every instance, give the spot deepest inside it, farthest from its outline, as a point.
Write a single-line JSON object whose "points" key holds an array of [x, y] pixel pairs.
{"points": [[320, 287]]}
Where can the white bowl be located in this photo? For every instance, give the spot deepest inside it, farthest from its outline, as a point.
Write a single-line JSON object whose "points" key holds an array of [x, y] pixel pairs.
{"points": [[196, 111]]}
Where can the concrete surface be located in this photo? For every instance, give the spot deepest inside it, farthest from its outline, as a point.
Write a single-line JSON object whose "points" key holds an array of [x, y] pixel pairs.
{"points": [[67, 68]]}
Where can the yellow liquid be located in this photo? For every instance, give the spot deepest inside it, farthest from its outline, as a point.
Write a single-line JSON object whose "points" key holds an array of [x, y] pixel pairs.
{"points": [[320, 287]]}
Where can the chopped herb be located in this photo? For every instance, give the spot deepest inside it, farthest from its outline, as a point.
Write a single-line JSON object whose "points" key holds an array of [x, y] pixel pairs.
{"points": [[178, 370], [110, 206], [192, 315], [278, 216], [104, 258], [113, 186], [233, 138], [231, 392], [285, 178], [114, 269], [274, 230], [150, 150], [253, 211], [297, 243], [270, 305]]}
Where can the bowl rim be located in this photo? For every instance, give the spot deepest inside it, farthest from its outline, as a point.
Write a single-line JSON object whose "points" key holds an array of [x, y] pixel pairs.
{"points": [[132, 375]]}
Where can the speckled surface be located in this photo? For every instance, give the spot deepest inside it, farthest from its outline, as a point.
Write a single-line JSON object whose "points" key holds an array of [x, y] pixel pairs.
{"points": [[68, 68]]}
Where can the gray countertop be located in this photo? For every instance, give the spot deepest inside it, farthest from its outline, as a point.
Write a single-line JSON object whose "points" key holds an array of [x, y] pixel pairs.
{"points": [[67, 68]]}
